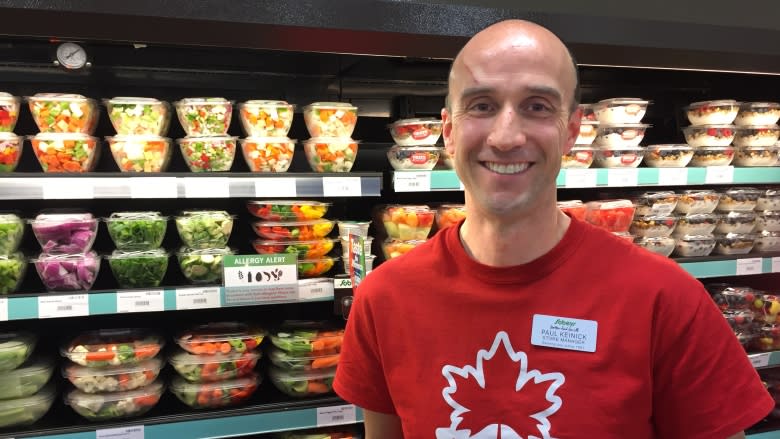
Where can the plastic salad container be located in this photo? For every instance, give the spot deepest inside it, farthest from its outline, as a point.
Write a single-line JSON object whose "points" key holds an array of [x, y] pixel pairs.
{"points": [[262, 118], [302, 383], [113, 379], [405, 158], [620, 110], [655, 203], [68, 272], [9, 112], [138, 269], [113, 347], [354, 228], [200, 229], [767, 241], [727, 296], [305, 338], [268, 154], [140, 153], [11, 147], [662, 245], [215, 394], [720, 112], [289, 360], [15, 348], [697, 201], [697, 224], [610, 215], [304, 249], [315, 267], [208, 154], [740, 198], [117, 405], [736, 222], [12, 270], [628, 157], [769, 200], [220, 338], [65, 152], [756, 135], [63, 113], [26, 411], [758, 113], [579, 156], [330, 119], [204, 116], [11, 232], [735, 243], [749, 156], [326, 154], [694, 245], [668, 156], [618, 136], [712, 156], [202, 266], [26, 380], [407, 222], [139, 116], [415, 132], [216, 367], [768, 220], [652, 226], [284, 210], [587, 133], [136, 230], [65, 232], [449, 214], [573, 208], [709, 135], [392, 248], [293, 230]]}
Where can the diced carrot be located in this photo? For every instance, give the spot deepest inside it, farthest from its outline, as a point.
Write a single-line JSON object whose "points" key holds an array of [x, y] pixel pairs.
{"points": [[325, 362], [100, 356], [224, 348], [71, 166], [317, 387]]}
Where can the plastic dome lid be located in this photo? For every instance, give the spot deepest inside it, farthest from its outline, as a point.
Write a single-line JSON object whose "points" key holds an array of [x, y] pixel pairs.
{"points": [[219, 332], [81, 398], [182, 357], [180, 385], [139, 215], [130, 254], [279, 374], [129, 100], [74, 370], [203, 101], [43, 398]]}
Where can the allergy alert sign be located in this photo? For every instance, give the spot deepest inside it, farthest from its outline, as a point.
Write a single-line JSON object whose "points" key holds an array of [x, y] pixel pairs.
{"points": [[564, 333]]}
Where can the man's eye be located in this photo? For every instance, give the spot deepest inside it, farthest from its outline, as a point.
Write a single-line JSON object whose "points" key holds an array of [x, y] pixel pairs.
{"points": [[537, 107], [480, 107]]}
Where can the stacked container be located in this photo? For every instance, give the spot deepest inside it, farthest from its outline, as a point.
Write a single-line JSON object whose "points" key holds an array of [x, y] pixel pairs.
{"points": [[619, 132], [295, 226], [205, 234], [582, 153], [13, 264], [733, 234], [359, 228], [415, 144], [115, 373], [216, 364], [756, 134], [711, 132], [66, 122], [406, 226], [330, 125], [696, 222], [24, 395], [10, 144], [138, 261], [304, 356], [654, 223], [266, 124], [207, 147], [611, 215], [744, 309], [67, 262], [768, 221], [140, 124]]}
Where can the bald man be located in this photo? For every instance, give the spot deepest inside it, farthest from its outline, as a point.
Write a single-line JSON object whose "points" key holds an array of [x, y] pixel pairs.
{"points": [[521, 322]]}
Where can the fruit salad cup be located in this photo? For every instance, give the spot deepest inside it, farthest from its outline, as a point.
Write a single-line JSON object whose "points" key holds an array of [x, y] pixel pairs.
{"points": [[758, 113], [668, 156], [315, 267], [573, 208], [11, 147], [413, 158], [139, 116], [295, 230], [720, 112], [579, 156], [620, 110], [709, 135], [260, 118], [9, 112], [392, 248], [330, 154], [63, 113], [66, 152], [756, 135], [587, 134], [449, 215], [208, 154], [610, 215], [140, 153], [286, 210], [623, 136], [628, 157], [204, 116], [268, 154], [330, 119], [416, 132], [407, 222]]}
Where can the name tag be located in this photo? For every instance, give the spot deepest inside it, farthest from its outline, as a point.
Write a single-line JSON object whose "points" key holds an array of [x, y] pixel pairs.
{"points": [[564, 333]]}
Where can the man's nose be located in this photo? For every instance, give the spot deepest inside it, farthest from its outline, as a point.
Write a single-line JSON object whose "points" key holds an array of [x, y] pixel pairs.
{"points": [[507, 131]]}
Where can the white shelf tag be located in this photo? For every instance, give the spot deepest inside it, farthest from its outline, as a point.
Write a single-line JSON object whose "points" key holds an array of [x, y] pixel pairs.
{"points": [[212, 187], [68, 188], [153, 187], [197, 298], [759, 360], [341, 187], [580, 178], [337, 415], [749, 266], [719, 174], [623, 177], [309, 289], [73, 305], [140, 301], [3, 309], [275, 187], [129, 432], [342, 283], [412, 181], [672, 176], [776, 264]]}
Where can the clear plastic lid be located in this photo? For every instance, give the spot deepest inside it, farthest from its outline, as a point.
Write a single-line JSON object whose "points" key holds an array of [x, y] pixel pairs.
{"points": [[608, 204], [186, 251], [769, 214], [292, 223], [74, 370], [125, 216], [699, 218], [638, 150], [284, 242], [717, 103], [136, 138], [266, 103], [738, 216], [714, 126], [267, 140], [570, 203], [8, 99], [756, 105], [127, 100], [203, 101], [65, 216], [288, 203], [6, 218], [220, 214], [415, 121], [210, 139], [5, 137], [714, 148], [670, 147], [36, 366], [77, 397], [66, 257], [128, 345], [768, 234], [612, 126], [53, 137], [622, 101], [15, 348], [335, 105], [416, 148], [409, 207], [228, 336], [772, 127], [68, 97], [582, 148], [655, 196], [696, 238], [125, 254], [182, 357], [180, 385], [736, 237], [280, 374], [329, 140], [700, 193], [744, 191]]}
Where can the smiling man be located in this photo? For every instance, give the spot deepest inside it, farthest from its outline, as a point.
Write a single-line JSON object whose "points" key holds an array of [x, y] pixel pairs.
{"points": [[521, 322]]}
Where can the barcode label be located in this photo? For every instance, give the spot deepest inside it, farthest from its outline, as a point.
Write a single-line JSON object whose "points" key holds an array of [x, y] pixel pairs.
{"points": [[200, 300], [343, 414], [341, 186], [338, 417], [412, 181], [63, 306], [197, 298], [315, 289], [140, 301]]}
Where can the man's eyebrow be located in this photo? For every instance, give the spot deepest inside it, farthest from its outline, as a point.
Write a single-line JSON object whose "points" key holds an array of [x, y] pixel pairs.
{"points": [[473, 91], [542, 90]]}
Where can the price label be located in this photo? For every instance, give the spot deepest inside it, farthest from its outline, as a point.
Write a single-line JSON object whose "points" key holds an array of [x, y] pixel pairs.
{"points": [[73, 305], [276, 187], [622, 177], [3, 309], [251, 279], [130, 432], [309, 289], [759, 360], [68, 189], [580, 178], [140, 301], [209, 187], [342, 283], [337, 415], [749, 266], [719, 174], [153, 187], [197, 298], [412, 181], [672, 176], [341, 187]]}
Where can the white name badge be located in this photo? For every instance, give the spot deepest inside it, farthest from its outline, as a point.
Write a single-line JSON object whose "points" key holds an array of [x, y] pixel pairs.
{"points": [[564, 333]]}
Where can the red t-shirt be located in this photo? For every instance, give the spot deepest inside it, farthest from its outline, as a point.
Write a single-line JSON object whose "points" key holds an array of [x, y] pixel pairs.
{"points": [[445, 343]]}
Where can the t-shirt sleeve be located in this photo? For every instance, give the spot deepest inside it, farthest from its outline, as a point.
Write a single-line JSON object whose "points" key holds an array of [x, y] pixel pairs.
{"points": [[360, 377], [703, 383]]}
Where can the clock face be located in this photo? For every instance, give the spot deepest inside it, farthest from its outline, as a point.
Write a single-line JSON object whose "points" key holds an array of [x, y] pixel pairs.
{"points": [[71, 55]]}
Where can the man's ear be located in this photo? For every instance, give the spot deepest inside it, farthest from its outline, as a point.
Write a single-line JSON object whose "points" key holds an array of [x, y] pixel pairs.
{"points": [[446, 132], [572, 130]]}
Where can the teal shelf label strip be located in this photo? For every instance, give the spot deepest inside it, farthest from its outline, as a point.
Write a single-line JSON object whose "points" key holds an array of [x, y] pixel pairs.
{"points": [[20, 308], [710, 268], [170, 300], [102, 303]]}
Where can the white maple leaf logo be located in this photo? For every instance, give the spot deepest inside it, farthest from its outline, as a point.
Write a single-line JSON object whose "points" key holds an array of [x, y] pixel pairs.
{"points": [[524, 387]]}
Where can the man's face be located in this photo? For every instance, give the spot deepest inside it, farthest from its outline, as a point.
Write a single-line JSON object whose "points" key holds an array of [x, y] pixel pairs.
{"points": [[509, 121]]}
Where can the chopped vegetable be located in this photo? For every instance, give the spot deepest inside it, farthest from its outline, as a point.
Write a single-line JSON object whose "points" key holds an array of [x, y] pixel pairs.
{"points": [[315, 267], [202, 266], [68, 272], [12, 270], [10, 149], [298, 230], [9, 113], [15, 348], [303, 383], [113, 347], [117, 405], [330, 119], [304, 249], [65, 152], [304, 361], [204, 116], [140, 153], [268, 154], [220, 338], [139, 116], [208, 154], [63, 113], [407, 222], [217, 367], [140, 269], [204, 229], [65, 233], [303, 339], [11, 231], [215, 394], [114, 378], [26, 380], [137, 230], [287, 210], [330, 155], [266, 118], [27, 410]]}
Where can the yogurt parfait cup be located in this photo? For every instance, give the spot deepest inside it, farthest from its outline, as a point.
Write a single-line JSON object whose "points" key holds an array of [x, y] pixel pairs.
{"points": [[721, 112]]}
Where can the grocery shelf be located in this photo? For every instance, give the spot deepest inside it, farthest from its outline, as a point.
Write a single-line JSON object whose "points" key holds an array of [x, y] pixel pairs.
{"points": [[446, 180], [86, 303], [765, 435], [731, 265], [36, 186], [763, 360]]}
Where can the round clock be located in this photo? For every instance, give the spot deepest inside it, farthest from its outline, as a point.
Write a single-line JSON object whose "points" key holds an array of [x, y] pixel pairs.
{"points": [[71, 56]]}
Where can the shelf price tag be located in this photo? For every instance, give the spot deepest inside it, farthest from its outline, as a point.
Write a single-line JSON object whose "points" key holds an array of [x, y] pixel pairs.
{"points": [[341, 187], [622, 177], [68, 189], [3, 309], [337, 415], [129, 432], [153, 187], [72, 305], [276, 187], [776, 264], [759, 360], [140, 301], [719, 174], [580, 178], [672, 176], [309, 289], [207, 187], [749, 266], [251, 279], [197, 298], [412, 181]]}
